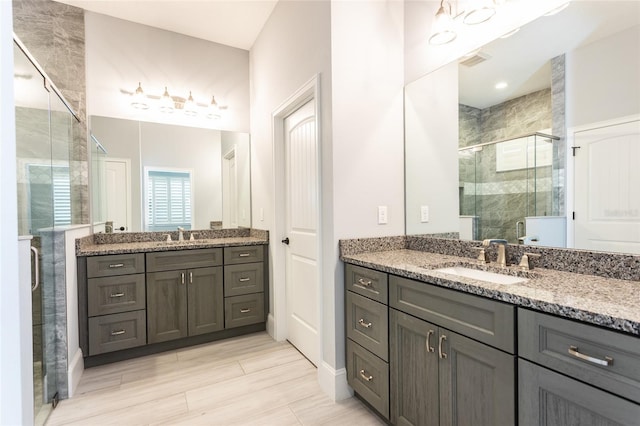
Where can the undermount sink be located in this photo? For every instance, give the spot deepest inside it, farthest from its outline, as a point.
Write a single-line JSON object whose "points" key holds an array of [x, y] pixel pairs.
{"points": [[477, 274]]}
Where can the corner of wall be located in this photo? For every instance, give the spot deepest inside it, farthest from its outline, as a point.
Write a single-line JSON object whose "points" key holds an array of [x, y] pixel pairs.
{"points": [[74, 374], [334, 382]]}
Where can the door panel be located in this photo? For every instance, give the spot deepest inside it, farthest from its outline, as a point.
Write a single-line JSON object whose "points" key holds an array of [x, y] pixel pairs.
{"points": [[607, 195], [117, 193], [302, 287]]}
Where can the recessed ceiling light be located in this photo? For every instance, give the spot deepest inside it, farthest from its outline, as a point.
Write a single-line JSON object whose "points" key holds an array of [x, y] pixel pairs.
{"points": [[501, 85]]}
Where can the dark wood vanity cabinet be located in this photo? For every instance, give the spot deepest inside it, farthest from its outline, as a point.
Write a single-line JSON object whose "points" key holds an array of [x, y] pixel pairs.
{"points": [[168, 299]]}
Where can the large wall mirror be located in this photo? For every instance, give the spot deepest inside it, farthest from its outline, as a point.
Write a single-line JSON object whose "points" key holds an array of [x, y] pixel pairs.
{"points": [[491, 160], [155, 177]]}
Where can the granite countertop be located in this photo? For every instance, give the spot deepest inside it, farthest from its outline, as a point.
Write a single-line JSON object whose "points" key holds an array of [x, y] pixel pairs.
{"points": [[151, 246], [607, 302]]}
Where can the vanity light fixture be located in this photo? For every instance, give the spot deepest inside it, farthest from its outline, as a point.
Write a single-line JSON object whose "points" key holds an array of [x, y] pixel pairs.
{"points": [[443, 31], [213, 110], [139, 99], [479, 11], [166, 102], [190, 108]]}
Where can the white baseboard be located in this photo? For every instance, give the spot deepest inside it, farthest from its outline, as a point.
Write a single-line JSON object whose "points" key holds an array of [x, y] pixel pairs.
{"points": [[76, 368], [271, 326], [334, 382]]}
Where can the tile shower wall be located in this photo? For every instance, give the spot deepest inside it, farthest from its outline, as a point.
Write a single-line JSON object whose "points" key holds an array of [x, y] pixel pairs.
{"points": [[500, 200], [54, 34]]}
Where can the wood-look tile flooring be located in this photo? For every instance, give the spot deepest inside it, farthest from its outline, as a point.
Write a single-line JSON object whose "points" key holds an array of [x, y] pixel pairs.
{"points": [[249, 380]]}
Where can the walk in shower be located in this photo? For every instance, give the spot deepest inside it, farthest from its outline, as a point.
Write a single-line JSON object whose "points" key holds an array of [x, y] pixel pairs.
{"points": [[502, 182], [45, 128]]}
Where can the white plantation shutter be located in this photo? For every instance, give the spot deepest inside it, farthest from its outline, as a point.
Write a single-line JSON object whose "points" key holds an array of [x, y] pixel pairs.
{"points": [[168, 200], [61, 196]]}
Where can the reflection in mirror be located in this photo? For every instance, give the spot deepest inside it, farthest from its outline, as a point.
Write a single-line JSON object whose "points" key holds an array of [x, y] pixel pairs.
{"points": [[161, 177], [569, 75]]}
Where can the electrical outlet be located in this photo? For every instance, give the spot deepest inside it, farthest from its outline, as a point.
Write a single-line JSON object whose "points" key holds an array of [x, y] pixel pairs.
{"points": [[261, 214], [424, 214], [382, 215]]}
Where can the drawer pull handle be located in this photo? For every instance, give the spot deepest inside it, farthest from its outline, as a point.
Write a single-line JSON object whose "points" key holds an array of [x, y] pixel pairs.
{"points": [[114, 295], [429, 347], [190, 277], [244, 280], [245, 310], [441, 353], [118, 332], [364, 375], [116, 265], [364, 324], [244, 254], [364, 283], [607, 361], [182, 277]]}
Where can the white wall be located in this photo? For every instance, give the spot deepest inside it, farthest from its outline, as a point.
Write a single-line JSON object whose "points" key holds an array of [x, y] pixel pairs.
{"points": [[603, 79], [15, 368], [431, 122], [121, 53]]}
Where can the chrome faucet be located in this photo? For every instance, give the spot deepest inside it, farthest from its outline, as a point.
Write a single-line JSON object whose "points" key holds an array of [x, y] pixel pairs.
{"points": [[502, 250], [180, 233]]}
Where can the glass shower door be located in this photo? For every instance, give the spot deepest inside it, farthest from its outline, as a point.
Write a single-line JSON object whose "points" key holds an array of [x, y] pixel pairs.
{"points": [[35, 179]]}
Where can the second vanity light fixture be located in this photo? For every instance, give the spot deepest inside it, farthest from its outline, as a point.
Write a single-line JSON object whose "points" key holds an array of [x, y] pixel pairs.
{"points": [[474, 12], [168, 104]]}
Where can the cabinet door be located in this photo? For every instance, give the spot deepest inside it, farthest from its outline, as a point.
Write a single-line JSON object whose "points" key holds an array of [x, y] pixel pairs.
{"points": [[477, 382], [206, 300], [414, 370], [547, 398], [166, 306]]}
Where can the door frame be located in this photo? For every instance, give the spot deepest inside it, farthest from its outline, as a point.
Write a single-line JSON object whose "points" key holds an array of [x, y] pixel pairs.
{"points": [[277, 320], [570, 167]]}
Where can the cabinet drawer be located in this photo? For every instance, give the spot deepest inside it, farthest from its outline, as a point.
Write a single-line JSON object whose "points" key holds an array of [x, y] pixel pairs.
{"points": [[582, 351], [547, 398], [116, 264], [111, 295], [244, 254], [368, 324], [114, 332], [243, 310], [245, 278], [367, 282], [183, 259], [368, 375], [481, 319]]}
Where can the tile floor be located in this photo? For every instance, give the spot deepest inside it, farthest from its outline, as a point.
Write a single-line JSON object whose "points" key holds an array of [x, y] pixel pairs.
{"points": [[249, 380]]}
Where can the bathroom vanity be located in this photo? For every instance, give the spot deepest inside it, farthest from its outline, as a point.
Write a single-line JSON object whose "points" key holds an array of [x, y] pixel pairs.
{"points": [[143, 297], [427, 347]]}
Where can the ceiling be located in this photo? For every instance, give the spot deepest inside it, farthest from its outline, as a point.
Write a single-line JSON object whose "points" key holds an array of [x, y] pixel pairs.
{"points": [[522, 60], [235, 23]]}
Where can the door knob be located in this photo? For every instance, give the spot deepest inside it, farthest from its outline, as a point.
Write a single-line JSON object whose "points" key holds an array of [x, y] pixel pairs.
{"points": [[286, 241]]}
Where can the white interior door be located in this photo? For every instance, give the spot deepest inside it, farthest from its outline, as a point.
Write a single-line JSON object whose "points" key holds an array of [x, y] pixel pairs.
{"points": [[118, 198], [301, 182], [607, 188], [229, 190]]}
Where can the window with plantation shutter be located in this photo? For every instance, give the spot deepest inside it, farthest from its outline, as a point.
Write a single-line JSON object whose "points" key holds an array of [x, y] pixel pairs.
{"points": [[61, 196], [168, 200]]}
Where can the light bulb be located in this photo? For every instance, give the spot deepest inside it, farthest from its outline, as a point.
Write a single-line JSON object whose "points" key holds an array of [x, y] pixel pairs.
{"points": [[166, 102]]}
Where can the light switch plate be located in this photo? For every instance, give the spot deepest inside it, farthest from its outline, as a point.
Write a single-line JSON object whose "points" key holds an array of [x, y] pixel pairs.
{"points": [[382, 215], [424, 214]]}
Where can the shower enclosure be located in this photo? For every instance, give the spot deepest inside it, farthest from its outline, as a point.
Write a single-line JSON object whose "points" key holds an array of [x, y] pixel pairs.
{"points": [[44, 132], [502, 182]]}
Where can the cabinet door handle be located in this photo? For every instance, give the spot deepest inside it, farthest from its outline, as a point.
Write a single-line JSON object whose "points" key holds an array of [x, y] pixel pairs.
{"points": [[118, 332], [607, 361], [366, 376], [244, 254], [182, 279], [116, 265], [429, 347], [364, 324], [190, 277], [364, 283], [441, 353], [114, 295], [244, 280]]}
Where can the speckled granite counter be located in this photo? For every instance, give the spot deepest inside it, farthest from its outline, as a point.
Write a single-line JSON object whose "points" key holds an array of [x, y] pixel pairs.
{"points": [[607, 302], [142, 242]]}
